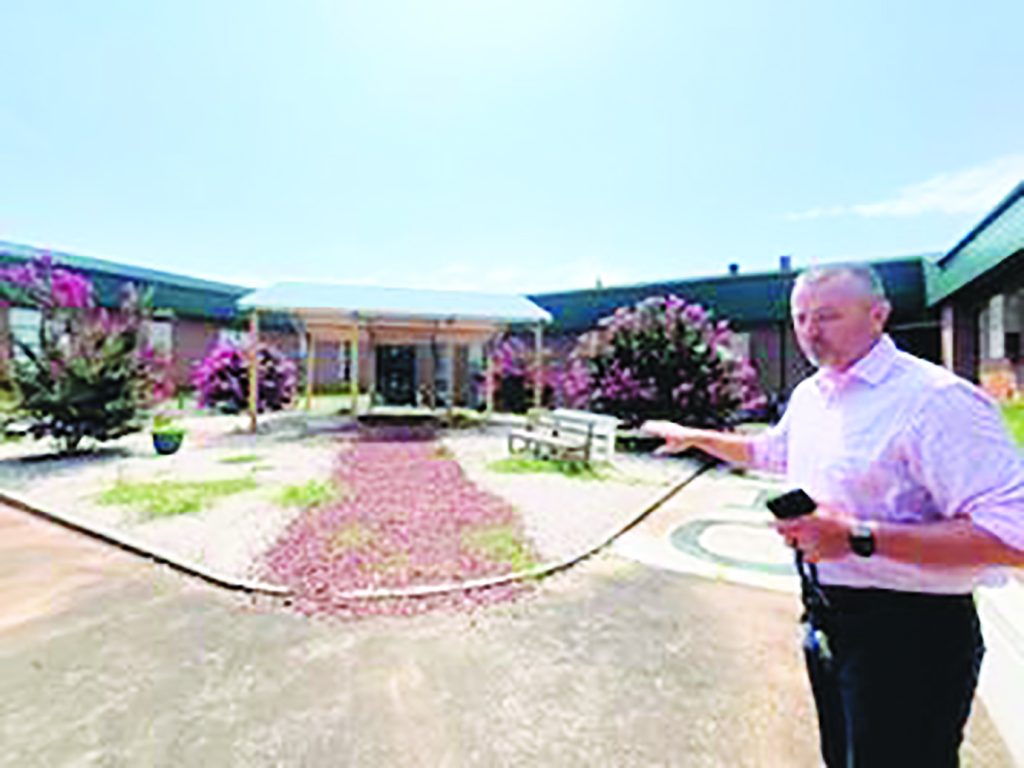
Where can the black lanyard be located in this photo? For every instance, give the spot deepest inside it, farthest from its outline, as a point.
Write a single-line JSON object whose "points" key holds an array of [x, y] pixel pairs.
{"points": [[814, 598]]}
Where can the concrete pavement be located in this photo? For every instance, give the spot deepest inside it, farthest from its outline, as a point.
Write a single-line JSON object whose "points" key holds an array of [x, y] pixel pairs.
{"points": [[720, 530]]}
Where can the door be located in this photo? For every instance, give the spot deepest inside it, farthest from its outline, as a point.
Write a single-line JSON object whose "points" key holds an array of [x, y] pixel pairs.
{"points": [[396, 374]]}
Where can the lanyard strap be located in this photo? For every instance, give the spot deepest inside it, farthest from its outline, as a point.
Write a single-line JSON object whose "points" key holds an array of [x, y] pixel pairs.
{"points": [[814, 598]]}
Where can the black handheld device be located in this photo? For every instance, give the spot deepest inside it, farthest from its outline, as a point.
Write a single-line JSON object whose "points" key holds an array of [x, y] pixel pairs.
{"points": [[792, 504]]}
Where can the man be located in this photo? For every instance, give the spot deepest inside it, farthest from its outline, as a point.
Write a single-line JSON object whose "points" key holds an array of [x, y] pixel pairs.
{"points": [[920, 498]]}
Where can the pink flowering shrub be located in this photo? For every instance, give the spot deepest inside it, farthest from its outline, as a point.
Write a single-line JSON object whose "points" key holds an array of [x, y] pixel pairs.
{"points": [[514, 365], [90, 371], [222, 378], [661, 359]]}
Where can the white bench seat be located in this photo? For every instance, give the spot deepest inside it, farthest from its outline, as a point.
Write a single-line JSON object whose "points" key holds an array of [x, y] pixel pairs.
{"points": [[568, 435]]}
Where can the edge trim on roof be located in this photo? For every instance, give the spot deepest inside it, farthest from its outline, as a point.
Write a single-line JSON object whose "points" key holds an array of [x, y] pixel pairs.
{"points": [[981, 226]]}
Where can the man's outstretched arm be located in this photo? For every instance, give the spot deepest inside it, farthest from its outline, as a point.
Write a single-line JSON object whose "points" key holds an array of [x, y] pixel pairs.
{"points": [[736, 449]]}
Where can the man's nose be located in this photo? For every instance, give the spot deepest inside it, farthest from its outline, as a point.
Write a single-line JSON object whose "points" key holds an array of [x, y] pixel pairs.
{"points": [[810, 328]]}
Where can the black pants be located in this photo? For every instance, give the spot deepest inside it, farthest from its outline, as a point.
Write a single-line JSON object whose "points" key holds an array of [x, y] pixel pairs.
{"points": [[898, 688]]}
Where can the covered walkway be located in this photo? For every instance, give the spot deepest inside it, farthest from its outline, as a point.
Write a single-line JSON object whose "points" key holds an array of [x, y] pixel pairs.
{"points": [[405, 347]]}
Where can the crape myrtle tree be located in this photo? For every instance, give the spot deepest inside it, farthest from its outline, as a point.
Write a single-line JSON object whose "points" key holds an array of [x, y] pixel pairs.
{"points": [[91, 371], [513, 371], [662, 358], [222, 378]]}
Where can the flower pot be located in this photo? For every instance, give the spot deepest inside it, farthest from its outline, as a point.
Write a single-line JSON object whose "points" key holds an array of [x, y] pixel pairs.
{"points": [[167, 443]]}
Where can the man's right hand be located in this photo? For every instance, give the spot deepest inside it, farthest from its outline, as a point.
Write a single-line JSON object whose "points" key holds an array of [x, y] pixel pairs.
{"points": [[677, 438]]}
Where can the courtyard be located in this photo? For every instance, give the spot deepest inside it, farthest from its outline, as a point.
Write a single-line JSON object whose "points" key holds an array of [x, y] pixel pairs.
{"points": [[622, 659]]}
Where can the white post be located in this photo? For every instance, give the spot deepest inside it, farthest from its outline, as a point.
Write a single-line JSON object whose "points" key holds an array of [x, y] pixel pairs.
{"points": [[254, 369], [538, 380], [353, 368], [310, 369]]}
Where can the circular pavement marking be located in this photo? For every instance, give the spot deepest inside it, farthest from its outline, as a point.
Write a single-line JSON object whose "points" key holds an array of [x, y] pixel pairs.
{"points": [[733, 543]]}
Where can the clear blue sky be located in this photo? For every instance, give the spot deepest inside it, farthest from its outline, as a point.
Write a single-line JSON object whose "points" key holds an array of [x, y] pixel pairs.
{"points": [[510, 146]]}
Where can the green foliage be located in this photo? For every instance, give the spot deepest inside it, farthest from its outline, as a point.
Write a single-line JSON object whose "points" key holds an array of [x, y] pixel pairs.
{"points": [[310, 494], [501, 544], [1014, 415], [165, 425], [521, 465], [167, 498], [244, 458]]}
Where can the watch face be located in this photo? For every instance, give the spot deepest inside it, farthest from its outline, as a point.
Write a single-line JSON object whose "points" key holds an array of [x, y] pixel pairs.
{"points": [[862, 541]]}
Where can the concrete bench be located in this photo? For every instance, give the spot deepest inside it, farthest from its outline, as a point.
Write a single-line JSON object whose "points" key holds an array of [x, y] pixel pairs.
{"points": [[568, 435]]}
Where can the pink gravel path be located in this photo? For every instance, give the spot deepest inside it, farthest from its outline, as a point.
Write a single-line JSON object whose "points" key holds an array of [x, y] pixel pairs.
{"points": [[400, 523]]}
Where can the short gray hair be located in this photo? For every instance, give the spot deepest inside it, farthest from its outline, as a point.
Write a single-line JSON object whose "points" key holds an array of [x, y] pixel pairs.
{"points": [[864, 274]]}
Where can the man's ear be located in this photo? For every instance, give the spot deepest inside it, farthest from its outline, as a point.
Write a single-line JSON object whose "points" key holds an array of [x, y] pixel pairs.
{"points": [[880, 312]]}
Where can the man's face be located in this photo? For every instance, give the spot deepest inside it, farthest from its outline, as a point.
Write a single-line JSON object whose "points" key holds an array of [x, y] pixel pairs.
{"points": [[836, 320]]}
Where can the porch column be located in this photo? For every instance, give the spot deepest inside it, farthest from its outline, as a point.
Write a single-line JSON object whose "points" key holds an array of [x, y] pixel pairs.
{"points": [[948, 335], [489, 379], [538, 358], [432, 376], [353, 368], [254, 371], [310, 369], [997, 327], [450, 350]]}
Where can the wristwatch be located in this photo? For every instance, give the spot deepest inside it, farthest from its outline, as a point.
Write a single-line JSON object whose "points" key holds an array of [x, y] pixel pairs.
{"points": [[862, 538]]}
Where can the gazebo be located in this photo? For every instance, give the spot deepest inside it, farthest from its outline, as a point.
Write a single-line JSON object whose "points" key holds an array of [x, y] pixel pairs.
{"points": [[368, 318]]}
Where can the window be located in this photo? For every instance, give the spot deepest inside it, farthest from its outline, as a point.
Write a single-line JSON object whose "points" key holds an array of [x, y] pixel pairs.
{"points": [[160, 335], [740, 345], [231, 336], [24, 329]]}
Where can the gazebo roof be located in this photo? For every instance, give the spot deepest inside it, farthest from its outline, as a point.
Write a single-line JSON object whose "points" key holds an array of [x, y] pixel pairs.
{"points": [[370, 301]]}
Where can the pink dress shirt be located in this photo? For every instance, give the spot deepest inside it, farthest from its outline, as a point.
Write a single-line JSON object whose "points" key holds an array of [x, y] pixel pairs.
{"points": [[899, 439]]}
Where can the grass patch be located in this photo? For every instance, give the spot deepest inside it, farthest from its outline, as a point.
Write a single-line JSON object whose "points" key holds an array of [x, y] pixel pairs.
{"points": [[8, 401], [310, 494], [520, 465], [349, 537], [167, 498], [499, 543], [443, 453], [393, 562], [462, 418], [244, 458], [1014, 415]]}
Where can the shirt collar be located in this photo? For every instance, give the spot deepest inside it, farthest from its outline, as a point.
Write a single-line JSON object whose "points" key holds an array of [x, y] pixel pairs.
{"points": [[871, 368]]}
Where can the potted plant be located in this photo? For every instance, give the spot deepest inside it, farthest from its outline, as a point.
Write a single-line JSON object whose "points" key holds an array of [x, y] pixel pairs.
{"points": [[167, 436]]}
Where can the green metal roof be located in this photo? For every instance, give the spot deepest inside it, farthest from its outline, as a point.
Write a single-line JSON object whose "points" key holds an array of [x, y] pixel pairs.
{"points": [[994, 240], [371, 300], [744, 299], [186, 296]]}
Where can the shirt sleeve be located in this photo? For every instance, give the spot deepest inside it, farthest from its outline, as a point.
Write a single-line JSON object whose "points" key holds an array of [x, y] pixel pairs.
{"points": [[963, 455], [769, 449]]}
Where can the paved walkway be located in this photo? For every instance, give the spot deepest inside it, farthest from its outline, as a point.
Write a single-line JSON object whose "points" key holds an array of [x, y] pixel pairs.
{"points": [[111, 661], [719, 529]]}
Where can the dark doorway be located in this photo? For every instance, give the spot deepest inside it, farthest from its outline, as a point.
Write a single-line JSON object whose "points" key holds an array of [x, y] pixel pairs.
{"points": [[396, 374]]}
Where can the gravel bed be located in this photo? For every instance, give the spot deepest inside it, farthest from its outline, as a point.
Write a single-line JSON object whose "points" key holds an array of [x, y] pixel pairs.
{"points": [[561, 515], [565, 515], [228, 536]]}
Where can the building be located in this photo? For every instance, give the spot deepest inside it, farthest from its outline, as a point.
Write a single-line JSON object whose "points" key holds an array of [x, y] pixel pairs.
{"points": [[963, 309], [190, 314], [977, 289], [757, 308], [407, 347]]}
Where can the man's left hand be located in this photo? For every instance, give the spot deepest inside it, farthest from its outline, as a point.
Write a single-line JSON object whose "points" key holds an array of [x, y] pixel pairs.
{"points": [[823, 535]]}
